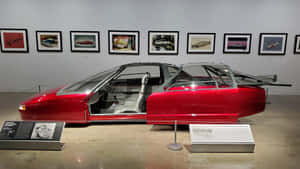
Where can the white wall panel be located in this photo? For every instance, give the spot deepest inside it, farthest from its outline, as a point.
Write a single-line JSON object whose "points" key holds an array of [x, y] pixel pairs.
{"points": [[21, 72]]}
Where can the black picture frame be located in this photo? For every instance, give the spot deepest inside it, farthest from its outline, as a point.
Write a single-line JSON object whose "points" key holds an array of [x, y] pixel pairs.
{"points": [[261, 36], [85, 50], [238, 49], [163, 53], [60, 46], [189, 34], [124, 32], [297, 44], [25, 50]]}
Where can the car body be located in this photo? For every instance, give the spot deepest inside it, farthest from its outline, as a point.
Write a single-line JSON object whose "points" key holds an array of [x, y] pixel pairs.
{"points": [[49, 42], [201, 44], [163, 44], [157, 93], [237, 45], [85, 42]]}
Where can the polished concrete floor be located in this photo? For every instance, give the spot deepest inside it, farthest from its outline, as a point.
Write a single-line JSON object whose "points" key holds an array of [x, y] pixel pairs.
{"points": [[137, 146]]}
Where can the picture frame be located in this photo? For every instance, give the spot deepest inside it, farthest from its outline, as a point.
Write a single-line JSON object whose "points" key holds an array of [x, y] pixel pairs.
{"points": [[237, 43], [297, 44], [49, 41], [163, 42], [14, 40], [201, 43], [9, 129], [123, 42], [85, 41], [43, 131], [272, 43]]}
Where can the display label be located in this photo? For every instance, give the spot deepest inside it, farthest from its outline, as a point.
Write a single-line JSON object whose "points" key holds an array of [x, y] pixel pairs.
{"points": [[239, 133], [30, 130]]}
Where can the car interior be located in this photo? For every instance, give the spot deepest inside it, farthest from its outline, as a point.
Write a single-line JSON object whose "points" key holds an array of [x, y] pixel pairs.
{"points": [[125, 94]]}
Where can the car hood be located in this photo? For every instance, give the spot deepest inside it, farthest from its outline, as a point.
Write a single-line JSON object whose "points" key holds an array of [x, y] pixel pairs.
{"points": [[47, 95]]}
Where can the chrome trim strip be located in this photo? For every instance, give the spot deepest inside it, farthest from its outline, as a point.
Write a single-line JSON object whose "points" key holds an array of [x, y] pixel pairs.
{"points": [[125, 120], [113, 114], [200, 89]]}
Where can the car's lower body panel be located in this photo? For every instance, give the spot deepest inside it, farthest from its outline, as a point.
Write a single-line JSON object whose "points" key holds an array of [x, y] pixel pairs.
{"points": [[228, 118]]}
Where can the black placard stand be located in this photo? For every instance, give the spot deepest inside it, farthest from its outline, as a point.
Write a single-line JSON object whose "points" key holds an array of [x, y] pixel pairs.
{"points": [[31, 135]]}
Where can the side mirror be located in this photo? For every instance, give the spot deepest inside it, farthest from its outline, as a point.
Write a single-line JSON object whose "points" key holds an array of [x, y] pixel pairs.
{"points": [[93, 99]]}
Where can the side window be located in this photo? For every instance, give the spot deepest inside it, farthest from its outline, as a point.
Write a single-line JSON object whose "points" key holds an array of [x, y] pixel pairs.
{"points": [[153, 70], [172, 71], [221, 76], [200, 77], [197, 77], [184, 81], [135, 73], [196, 71]]}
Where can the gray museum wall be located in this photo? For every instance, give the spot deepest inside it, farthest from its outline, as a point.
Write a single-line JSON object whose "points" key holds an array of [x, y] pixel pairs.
{"points": [[22, 72]]}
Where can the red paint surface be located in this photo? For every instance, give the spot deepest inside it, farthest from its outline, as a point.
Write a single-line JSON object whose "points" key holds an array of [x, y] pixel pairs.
{"points": [[48, 106], [204, 106], [197, 106], [13, 40]]}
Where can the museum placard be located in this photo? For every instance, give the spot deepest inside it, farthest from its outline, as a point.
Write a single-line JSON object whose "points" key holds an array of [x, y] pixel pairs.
{"points": [[221, 138], [31, 135]]}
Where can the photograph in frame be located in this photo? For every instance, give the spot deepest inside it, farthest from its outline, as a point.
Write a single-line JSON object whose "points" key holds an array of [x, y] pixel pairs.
{"points": [[237, 43], [9, 129], [272, 43], [123, 42], [163, 42], [43, 131], [14, 40], [201, 43], [297, 44], [49, 41], [85, 41]]}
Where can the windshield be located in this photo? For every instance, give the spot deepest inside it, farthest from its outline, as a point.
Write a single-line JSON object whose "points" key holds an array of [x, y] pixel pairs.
{"points": [[87, 85]]}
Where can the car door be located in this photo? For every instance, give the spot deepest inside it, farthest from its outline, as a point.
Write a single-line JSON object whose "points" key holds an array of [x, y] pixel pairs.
{"points": [[194, 98]]}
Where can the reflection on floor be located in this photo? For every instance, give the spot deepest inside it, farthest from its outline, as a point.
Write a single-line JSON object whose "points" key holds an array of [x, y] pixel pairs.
{"points": [[135, 146]]}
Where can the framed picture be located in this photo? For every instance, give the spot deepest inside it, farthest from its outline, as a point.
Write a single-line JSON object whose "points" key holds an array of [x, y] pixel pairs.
{"points": [[297, 44], [49, 41], [237, 43], [123, 42], [272, 43], [14, 40], [163, 42], [43, 131], [85, 41], [9, 129], [201, 43]]}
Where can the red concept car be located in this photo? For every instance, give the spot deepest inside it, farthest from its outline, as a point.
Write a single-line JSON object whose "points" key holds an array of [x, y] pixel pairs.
{"points": [[157, 93]]}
